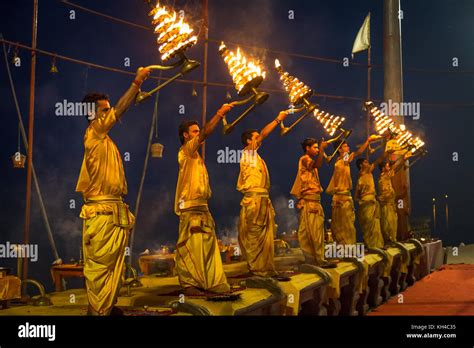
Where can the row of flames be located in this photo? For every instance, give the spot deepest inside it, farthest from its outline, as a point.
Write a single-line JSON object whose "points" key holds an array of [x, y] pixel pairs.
{"points": [[298, 92], [296, 89], [331, 123], [174, 35], [242, 69], [403, 136]]}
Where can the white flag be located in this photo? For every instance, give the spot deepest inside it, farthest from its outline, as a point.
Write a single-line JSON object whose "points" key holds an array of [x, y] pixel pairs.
{"points": [[362, 40]]}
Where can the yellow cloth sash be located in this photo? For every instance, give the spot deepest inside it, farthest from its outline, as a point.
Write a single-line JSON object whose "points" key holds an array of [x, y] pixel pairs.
{"points": [[194, 203], [316, 197], [108, 205]]}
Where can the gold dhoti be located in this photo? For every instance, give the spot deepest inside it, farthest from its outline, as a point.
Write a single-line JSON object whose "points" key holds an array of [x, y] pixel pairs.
{"points": [[388, 221], [107, 223], [256, 233], [343, 218], [369, 221], [198, 260], [311, 229]]}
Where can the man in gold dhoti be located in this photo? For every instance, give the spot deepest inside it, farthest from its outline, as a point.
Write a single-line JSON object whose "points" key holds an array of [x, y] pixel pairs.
{"points": [[198, 259], [107, 220], [307, 189], [368, 213], [340, 186], [386, 197], [257, 217]]}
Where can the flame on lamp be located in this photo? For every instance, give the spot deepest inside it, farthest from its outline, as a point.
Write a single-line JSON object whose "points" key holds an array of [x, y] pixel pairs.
{"points": [[174, 35], [242, 69], [296, 89], [330, 122], [383, 123]]}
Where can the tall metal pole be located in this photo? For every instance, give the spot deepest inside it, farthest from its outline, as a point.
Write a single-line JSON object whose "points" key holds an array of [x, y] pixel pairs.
{"points": [[434, 216], [393, 90], [31, 117], [205, 6]]}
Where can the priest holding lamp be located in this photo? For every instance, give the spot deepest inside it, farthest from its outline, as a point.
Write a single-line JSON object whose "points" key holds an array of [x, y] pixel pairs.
{"points": [[107, 219], [340, 187], [307, 189], [198, 260], [257, 216]]}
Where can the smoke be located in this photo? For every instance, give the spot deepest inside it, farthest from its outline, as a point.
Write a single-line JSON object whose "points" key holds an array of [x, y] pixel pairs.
{"points": [[149, 231], [246, 29], [62, 207], [229, 234], [287, 218]]}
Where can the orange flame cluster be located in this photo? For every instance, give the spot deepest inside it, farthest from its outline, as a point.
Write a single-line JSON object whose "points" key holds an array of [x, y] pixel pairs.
{"points": [[331, 123], [294, 87], [384, 123], [242, 69], [174, 35]]}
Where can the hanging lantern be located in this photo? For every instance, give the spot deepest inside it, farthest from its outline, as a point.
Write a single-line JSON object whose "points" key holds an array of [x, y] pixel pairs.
{"points": [[157, 150], [18, 160], [15, 58], [54, 68], [194, 93]]}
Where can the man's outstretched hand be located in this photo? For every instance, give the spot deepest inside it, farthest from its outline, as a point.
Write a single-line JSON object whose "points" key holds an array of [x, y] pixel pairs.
{"points": [[225, 109], [142, 74]]}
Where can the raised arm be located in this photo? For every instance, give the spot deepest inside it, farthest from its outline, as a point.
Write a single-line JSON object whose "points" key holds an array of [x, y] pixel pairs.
{"points": [[360, 150], [321, 156], [379, 160], [271, 126], [129, 96], [400, 162], [214, 121]]}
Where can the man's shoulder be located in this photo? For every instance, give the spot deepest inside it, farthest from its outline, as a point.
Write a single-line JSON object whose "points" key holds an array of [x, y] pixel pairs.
{"points": [[305, 158]]}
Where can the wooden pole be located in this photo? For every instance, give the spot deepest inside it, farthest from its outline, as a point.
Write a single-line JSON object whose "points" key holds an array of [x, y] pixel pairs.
{"points": [[31, 117], [369, 82], [25, 142], [205, 6]]}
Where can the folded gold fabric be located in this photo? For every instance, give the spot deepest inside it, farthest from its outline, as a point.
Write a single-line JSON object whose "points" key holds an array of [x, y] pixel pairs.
{"points": [[198, 260]]}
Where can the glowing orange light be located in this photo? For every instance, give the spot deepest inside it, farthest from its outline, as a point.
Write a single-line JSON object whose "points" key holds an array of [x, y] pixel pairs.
{"points": [[296, 89], [330, 122], [174, 35], [242, 69], [403, 136]]}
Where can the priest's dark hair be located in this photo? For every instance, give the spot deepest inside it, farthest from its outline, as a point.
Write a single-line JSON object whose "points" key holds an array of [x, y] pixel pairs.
{"points": [[308, 142], [184, 128], [359, 162], [94, 97], [247, 135]]}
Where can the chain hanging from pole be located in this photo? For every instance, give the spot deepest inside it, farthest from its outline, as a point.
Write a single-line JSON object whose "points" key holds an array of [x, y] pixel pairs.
{"points": [[18, 158]]}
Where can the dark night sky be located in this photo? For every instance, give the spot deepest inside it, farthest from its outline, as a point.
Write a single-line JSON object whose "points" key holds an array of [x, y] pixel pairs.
{"points": [[433, 31]]}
